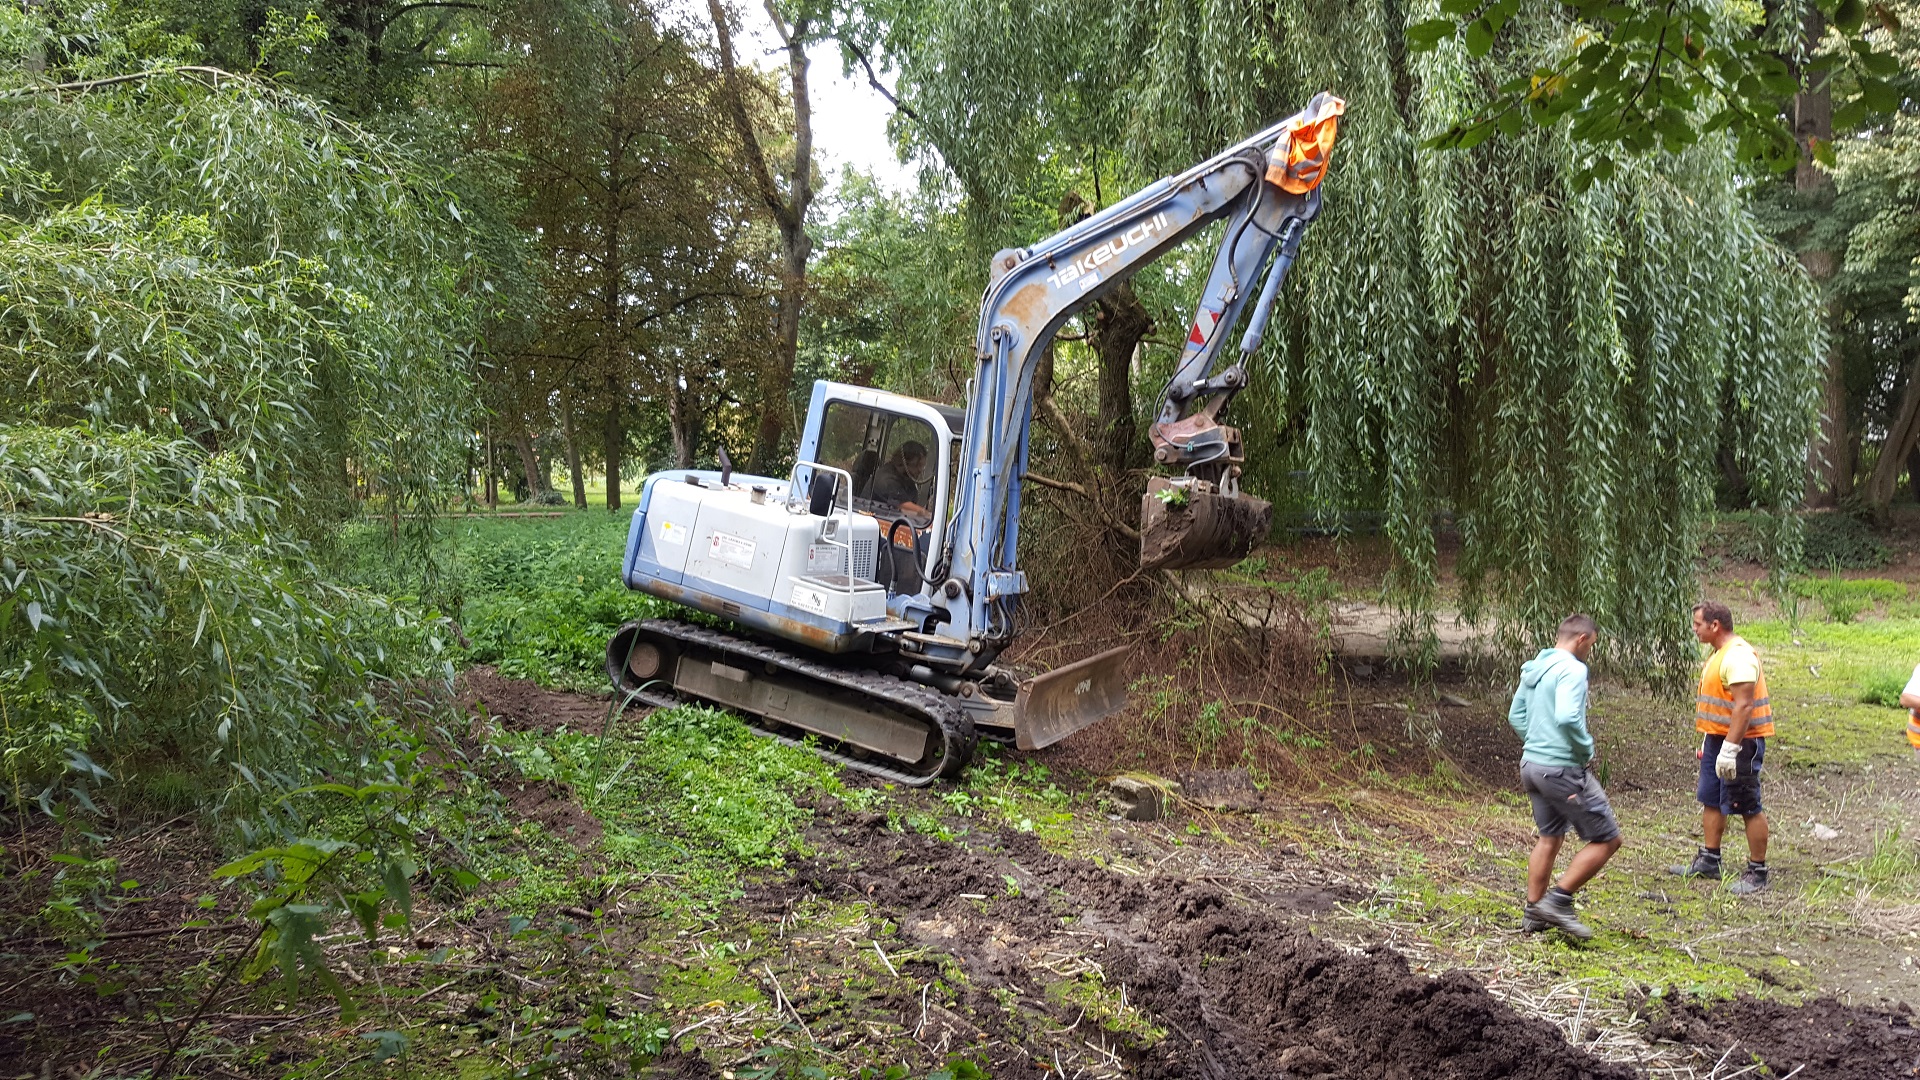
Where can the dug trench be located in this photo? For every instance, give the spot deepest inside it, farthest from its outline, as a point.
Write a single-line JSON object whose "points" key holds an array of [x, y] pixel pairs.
{"points": [[1239, 990]]}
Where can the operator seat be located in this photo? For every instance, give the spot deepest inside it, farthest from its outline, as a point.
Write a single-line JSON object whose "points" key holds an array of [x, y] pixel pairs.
{"points": [[865, 464]]}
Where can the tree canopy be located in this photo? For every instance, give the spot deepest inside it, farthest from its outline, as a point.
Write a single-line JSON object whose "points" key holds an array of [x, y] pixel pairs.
{"points": [[1489, 334]]}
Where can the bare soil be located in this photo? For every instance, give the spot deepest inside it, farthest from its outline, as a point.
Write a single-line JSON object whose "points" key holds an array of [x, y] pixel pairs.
{"points": [[1242, 991], [1226, 979], [519, 705], [1822, 1038]]}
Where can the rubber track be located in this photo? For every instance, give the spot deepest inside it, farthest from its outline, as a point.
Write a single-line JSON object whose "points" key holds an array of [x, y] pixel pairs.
{"points": [[945, 718]]}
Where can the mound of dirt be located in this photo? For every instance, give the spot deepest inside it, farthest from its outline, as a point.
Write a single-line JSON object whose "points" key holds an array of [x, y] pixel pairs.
{"points": [[1240, 991], [554, 806], [522, 706], [1823, 1039]]}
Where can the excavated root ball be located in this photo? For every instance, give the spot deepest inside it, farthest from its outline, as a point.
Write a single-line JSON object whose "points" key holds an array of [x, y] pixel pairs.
{"points": [[1192, 529]]}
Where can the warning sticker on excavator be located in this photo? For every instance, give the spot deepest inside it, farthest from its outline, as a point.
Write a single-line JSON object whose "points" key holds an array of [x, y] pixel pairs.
{"points": [[672, 534], [1202, 327], [732, 550], [810, 599]]}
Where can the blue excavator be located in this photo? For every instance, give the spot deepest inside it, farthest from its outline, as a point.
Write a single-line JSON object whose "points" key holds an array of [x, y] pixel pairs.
{"points": [[867, 595]]}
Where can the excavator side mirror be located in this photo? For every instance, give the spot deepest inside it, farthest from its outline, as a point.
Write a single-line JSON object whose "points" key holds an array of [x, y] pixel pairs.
{"points": [[820, 491], [726, 467]]}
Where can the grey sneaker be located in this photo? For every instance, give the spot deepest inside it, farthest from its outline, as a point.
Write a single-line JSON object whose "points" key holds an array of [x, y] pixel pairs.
{"points": [[1750, 881], [1556, 910], [1704, 865], [1530, 920]]}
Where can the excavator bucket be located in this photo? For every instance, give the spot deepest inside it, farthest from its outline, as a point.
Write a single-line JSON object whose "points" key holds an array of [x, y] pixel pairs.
{"points": [[1191, 526], [1055, 705]]}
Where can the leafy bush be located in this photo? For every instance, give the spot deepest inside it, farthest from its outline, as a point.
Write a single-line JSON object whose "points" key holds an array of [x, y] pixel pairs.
{"points": [[154, 612], [1838, 541], [1883, 689], [538, 598]]}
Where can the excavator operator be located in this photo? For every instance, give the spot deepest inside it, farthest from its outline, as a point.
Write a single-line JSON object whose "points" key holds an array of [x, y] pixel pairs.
{"points": [[900, 482]]}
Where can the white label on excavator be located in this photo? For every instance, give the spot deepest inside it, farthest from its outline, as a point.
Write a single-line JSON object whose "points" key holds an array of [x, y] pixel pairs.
{"points": [[810, 599], [672, 534], [733, 550]]}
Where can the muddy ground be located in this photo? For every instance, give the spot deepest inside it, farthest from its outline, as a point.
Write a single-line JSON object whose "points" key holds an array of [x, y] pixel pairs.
{"points": [[1209, 950]]}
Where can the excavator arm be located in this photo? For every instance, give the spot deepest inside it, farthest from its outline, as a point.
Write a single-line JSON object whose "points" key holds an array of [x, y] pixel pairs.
{"points": [[1266, 189]]}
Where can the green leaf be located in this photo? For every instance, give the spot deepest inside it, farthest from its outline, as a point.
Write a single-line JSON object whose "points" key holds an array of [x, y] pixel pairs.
{"points": [[397, 875], [386, 1044], [1427, 35], [1849, 14], [1473, 136], [1480, 34]]}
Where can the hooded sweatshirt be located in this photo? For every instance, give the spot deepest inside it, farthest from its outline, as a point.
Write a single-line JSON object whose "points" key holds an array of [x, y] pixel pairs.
{"points": [[1549, 710]]}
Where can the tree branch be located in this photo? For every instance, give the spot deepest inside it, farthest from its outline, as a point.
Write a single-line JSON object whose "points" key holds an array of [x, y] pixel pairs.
{"points": [[94, 84], [743, 124], [873, 80]]}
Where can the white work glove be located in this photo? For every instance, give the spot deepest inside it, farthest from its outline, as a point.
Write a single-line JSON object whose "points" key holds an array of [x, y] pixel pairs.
{"points": [[1727, 765]]}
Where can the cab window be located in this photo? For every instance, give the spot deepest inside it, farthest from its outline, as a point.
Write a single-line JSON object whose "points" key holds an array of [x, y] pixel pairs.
{"points": [[892, 458]]}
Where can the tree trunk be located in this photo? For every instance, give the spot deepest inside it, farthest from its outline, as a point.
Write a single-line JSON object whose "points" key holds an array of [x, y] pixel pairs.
{"points": [[613, 436], [1832, 457], [684, 419], [776, 377], [573, 448], [537, 483], [789, 210], [492, 485], [1120, 321], [1903, 438]]}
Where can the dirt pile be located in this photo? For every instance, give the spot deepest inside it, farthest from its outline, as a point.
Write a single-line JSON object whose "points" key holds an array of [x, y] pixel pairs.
{"points": [[521, 706], [1240, 992], [1823, 1039]]}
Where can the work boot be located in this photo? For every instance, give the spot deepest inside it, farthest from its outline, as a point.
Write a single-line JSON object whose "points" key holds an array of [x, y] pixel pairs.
{"points": [[1556, 910], [1530, 920], [1705, 864], [1751, 880]]}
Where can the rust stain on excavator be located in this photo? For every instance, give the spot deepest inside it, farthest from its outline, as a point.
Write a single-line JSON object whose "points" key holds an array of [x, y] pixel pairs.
{"points": [[1028, 305], [791, 629]]}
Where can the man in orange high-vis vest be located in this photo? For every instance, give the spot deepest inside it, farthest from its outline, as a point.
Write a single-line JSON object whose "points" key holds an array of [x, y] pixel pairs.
{"points": [[1735, 716], [1910, 697]]}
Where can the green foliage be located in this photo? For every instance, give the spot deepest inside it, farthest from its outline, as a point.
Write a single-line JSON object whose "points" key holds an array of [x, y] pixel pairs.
{"points": [[230, 265], [1839, 541], [155, 610], [1845, 598], [1636, 77], [1890, 869], [1482, 332], [359, 862], [537, 598], [1883, 688]]}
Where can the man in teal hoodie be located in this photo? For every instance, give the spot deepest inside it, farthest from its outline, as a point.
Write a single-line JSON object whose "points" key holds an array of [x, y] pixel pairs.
{"points": [[1549, 712]]}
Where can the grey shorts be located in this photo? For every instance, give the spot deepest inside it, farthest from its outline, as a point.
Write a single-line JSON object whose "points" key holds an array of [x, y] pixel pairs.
{"points": [[1565, 796]]}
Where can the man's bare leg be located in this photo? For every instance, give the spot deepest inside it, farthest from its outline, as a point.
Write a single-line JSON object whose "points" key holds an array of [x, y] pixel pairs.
{"points": [[1587, 863], [1540, 866], [1757, 836]]}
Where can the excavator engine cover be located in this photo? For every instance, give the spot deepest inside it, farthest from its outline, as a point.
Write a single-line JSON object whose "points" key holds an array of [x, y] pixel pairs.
{"points": [[1194, 527]]}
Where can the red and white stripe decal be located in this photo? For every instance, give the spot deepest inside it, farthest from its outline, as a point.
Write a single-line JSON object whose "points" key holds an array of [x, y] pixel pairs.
{"points": [[1203, 327]]}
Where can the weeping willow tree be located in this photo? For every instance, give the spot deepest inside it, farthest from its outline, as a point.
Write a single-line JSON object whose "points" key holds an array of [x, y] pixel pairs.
{"points": [[1469, 332], [228, 321]]}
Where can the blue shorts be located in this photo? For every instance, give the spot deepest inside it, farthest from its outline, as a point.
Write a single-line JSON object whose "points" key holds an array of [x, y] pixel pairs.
{"points": [[1740, 795]]}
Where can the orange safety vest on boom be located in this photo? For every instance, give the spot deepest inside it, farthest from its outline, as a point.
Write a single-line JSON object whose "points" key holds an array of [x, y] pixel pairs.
{"points": [[1714, 708]]}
